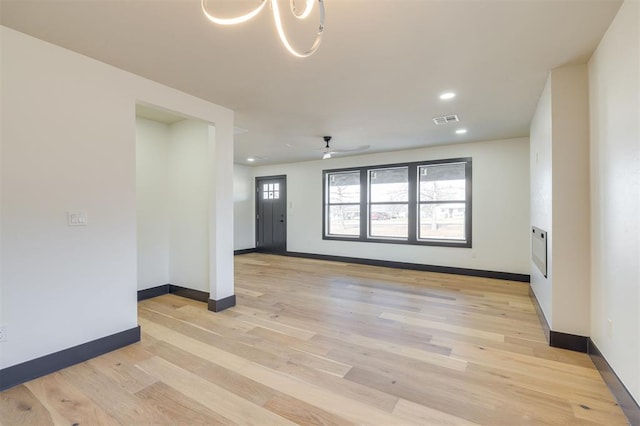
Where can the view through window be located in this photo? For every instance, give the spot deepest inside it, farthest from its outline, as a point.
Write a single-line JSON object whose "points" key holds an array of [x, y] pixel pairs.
{"points": [[389, 202], [415, 203], [344, 204], [442, 201]]}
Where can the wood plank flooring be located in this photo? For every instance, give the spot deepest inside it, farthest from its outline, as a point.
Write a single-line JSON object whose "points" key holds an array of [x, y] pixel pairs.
{"points": [[314, 342]]}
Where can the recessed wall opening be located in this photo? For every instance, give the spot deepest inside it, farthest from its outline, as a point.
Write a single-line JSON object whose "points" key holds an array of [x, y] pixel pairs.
{"points": [[173, 189]]}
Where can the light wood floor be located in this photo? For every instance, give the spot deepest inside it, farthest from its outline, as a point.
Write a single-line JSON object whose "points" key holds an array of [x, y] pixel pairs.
{"points": [[314, 342]]}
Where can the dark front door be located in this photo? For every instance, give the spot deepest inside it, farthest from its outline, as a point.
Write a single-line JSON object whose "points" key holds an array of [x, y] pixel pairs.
{"points": [[271, 214]]}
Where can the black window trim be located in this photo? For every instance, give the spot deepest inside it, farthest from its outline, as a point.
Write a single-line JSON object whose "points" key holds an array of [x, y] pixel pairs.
{"points": [[413, 202]]}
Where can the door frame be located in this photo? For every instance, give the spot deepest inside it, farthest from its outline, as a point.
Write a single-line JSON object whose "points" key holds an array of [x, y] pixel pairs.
{"points": [[256, 208]]}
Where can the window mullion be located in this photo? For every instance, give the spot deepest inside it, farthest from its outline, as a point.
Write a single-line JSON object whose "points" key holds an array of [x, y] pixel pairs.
{"points": [[468, 194], [412, 213], [364, 211]]}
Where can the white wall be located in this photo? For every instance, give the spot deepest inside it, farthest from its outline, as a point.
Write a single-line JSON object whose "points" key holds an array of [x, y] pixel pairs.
{"points": [[560, 198], [570, 182], [614, 75], [152, 193], [540, 170], [174, 180], [68, 143], [189, 191], [500, 207], [243, 208]]}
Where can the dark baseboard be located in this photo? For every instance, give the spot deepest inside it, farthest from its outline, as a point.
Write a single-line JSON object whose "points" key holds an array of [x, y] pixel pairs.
{"points": [[152, 292], [620, 392], [585, 344], [558, 339], [415, 266], [244, 251], [20, 373], [571, 342], [222, 304], [540, 313], [200, 296]]}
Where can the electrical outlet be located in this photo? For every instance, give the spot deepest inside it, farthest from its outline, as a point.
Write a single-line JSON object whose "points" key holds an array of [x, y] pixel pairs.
{"points": [[3, 333], [609, 327]]}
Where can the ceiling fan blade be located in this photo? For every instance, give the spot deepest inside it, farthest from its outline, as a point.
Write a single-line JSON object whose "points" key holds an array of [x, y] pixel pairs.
{"points": [[354, 149]]}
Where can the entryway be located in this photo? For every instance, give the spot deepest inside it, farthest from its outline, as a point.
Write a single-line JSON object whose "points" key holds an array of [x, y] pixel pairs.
{"points": [[271, 214]]}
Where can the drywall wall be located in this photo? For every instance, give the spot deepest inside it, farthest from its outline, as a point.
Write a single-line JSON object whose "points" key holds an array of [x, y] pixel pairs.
{"points": [[570, 206], [3, 316], [221, 213], [243, 208], [541, 201], [152, 196], [174, 180], [614, 85], [500, 207], [188, 193], [560, 198], [68, 144]]}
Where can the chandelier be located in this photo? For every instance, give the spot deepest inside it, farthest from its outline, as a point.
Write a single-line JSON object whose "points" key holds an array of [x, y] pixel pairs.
{"points": [[278, 21]]}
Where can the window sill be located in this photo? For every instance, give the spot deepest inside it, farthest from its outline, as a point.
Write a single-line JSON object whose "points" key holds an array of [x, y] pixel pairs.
{"points": [[433, 243]]}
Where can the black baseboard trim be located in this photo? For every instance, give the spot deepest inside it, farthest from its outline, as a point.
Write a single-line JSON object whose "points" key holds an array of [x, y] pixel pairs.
{"points": [[540, 313], [20, 373], [558, 339], [189, 293], [152, 292], [244, 251], [571, 342], [222, 304], [629, 406], [414, 266], [199, 295]]}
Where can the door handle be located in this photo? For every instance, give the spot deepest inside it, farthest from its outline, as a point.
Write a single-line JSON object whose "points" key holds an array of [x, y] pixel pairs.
{"points": [[281, 221]]}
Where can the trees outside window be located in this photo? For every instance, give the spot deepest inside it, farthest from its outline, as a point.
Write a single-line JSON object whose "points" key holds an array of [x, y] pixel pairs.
{"points": [[426, 203]]}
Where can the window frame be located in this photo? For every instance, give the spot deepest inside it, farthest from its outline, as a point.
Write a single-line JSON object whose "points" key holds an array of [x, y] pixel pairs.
{"points": [[413, 205], [326, 205], [371, 203]]}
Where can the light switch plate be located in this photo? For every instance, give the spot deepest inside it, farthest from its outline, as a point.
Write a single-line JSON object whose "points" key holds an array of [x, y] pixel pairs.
{"points": [[77, 218]]}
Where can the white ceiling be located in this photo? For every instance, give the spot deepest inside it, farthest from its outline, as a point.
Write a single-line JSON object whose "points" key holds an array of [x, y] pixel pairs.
{"points": [[374, 81]]}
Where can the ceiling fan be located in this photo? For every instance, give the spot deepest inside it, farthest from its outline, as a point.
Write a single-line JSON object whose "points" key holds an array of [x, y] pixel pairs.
{"points": [[328, 151]]}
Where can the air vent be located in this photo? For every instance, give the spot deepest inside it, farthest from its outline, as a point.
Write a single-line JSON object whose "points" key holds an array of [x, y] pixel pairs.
{"points": [[446, 119]]}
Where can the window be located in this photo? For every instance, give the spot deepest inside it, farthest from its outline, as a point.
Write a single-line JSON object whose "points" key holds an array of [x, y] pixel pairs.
{"points": [[426, 203], [270, 191], [442, 196], [343, 204], [388, 202]]}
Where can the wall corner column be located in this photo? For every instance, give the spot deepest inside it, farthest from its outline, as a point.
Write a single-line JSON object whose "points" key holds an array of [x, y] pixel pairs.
{"points": [[221, 293]]}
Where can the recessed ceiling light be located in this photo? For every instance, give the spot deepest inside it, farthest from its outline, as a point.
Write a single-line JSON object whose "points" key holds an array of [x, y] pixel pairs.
{"points": [[251, 159], [461, 131], [447, 95]]}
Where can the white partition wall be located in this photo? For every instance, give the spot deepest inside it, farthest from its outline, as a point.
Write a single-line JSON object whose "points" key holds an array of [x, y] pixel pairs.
{"points": [[221, 228], [614, 86], [174, 181], [152, 196], [190, 185], [68, 145], [559, 163]]}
